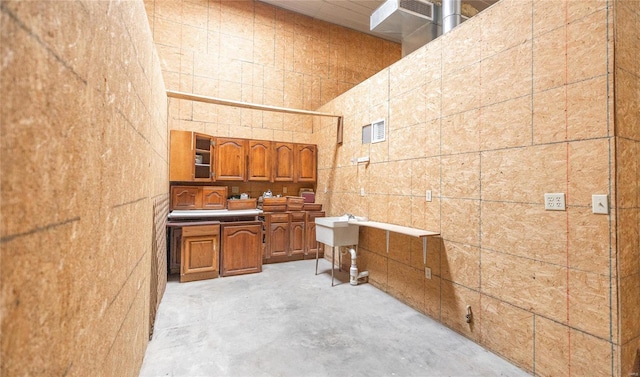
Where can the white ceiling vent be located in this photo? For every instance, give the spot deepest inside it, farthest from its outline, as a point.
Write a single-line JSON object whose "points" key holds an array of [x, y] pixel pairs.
{"points": [[401, 17]]}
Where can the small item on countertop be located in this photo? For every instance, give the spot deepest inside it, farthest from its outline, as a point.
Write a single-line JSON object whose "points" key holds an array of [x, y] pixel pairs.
{"points": [[244, 195]]}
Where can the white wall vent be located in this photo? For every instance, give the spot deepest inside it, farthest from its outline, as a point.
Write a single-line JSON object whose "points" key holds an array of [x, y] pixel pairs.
{"points": [[378, 132]]}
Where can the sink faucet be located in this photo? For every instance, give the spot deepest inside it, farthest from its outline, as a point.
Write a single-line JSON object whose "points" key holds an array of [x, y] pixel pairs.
{"points": [[350, 216]]}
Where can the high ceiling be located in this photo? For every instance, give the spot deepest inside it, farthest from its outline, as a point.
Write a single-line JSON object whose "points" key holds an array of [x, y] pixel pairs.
{"points": [[353, 14]]}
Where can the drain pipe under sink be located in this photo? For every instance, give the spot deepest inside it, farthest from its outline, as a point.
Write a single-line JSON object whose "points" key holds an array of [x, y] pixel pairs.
{"points": [[354, 275]]}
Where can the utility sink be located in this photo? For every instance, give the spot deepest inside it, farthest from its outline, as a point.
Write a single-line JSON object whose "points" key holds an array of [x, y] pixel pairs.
{"points": [[336, 231]]}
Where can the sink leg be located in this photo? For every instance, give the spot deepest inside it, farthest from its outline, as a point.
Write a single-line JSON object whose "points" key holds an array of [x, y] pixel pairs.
{"points": [[317, 251], [333, 260]]}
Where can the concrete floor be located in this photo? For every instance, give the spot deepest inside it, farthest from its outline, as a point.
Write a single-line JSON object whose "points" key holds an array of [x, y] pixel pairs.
{"points": [[286, 321]]}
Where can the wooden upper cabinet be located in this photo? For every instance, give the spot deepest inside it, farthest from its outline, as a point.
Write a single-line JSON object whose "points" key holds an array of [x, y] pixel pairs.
{"points": [[181, 157], [230, 162], [259, 161], [283, 164], [306, 162], [190, 156], [195, 157]]}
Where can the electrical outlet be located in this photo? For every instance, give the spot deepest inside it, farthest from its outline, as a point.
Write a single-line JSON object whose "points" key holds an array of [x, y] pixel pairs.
{"points": [[427, 272], [284, 189], [554, 202], [362, 191], [428, 196], [600, 204]]}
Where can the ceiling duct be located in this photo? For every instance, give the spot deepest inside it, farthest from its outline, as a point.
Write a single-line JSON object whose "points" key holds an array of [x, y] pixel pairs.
{"points": [[400, 18], [413, 23]]}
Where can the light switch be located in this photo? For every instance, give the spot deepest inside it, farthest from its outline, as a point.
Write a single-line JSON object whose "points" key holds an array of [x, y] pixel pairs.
{"points": [[600, 204], [428, 196], [362, 191]]}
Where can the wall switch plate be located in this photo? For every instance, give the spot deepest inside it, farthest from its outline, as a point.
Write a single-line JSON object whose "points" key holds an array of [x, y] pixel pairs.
{"points": [[235, 189], [600, 204], [284, 189], [428, 196], [554, 202], [427, 272], [362, 191]]}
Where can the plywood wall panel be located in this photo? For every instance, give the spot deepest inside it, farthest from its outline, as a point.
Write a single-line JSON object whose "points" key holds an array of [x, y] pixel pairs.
{"points": [[549, 59], [506, 124], [551, 342], [515, 327], [536, 110], [587, 41], [506, 227], [460, 263], [531, 285], [629, 291], [406, 283], [598, 352], [589, 302], [460, 221], [461, 176], [589, 248], [524, 174], [506, 74], [464, 128], [454, 301]]}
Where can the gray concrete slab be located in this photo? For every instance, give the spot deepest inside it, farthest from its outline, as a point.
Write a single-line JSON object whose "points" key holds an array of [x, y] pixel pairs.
{"points": [[286, 321]]}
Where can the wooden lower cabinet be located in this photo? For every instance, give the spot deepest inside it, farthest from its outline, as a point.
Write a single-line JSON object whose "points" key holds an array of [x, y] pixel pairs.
{"points": [[174, 250], [311, 245], [199, 252], [278, 236], [296, 233], [241, 248]]}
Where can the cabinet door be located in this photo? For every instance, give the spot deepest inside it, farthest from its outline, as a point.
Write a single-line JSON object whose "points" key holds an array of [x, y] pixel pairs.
{"points": [[181, 158], [230, 159], [203, 157], [259, 161], [283, 164], [306, 163], [214, 197], [199, 254], [174, 250], [186, 197], [296, 238], [241, 249], [279, 240], [311, 245]]}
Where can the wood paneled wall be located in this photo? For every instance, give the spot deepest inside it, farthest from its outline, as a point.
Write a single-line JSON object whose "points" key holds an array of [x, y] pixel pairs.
{"points": [[514, 103]]}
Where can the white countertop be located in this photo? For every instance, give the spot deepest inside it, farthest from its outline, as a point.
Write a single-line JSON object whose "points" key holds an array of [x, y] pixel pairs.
{"points": [[212, 213]]}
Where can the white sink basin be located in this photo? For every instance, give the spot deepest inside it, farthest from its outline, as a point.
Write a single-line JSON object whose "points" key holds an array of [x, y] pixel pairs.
{"points": [[336, 231]]}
